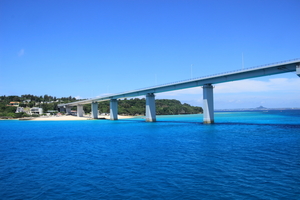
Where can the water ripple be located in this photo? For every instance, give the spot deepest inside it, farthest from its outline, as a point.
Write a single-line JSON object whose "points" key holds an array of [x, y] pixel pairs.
{"points": [[137, 160]]}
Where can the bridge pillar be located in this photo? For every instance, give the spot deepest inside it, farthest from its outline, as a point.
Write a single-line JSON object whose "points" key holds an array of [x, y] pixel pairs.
{"points": [[150, 108], [298, 70], [113, 109], [79, 110], [208, 104], [94, 110], [68, 110]]}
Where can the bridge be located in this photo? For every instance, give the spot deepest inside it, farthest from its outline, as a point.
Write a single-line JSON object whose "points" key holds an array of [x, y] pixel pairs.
{"points": [[205, 82]]}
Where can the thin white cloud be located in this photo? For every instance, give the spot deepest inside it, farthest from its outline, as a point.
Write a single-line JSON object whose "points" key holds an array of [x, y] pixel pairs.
{"points": [[271, 93], [21, 52], [78, 97], [275, 84]]}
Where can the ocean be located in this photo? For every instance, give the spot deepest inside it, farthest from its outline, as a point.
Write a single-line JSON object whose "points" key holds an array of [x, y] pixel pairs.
{"points": [[244, 155]]}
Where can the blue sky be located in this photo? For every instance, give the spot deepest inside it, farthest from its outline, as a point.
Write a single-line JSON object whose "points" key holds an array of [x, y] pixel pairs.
{"points": [[90, 48]]}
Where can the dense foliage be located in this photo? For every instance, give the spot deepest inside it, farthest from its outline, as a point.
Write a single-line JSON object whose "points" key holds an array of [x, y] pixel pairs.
{"points": [[46, 102], [125, 107], [137, 107], [9, 112]]}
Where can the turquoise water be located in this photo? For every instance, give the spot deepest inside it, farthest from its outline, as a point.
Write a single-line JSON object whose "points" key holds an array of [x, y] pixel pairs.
{"points": [[244, 155]]}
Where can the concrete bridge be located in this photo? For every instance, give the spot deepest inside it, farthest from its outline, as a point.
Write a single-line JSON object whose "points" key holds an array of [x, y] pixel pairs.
{"points": [[205, 82]]}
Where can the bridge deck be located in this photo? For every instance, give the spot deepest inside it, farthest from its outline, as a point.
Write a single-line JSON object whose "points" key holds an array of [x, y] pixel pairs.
{"points": [[277, 68]]}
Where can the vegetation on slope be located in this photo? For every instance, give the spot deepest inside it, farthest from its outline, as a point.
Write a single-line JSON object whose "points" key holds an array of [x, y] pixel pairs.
{"points": [[137, 107], [134, 106], [28, 101]]}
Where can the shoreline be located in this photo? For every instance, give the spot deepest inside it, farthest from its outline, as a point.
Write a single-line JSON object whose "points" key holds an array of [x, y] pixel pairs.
{"points": [[73, 118]]}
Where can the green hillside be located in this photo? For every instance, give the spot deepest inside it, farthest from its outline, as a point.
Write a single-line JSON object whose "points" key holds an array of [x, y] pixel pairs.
{"points": [[134, 106]]}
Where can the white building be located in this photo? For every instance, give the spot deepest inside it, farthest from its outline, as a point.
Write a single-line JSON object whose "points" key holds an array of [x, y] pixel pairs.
{"points": [[19, 109], [36, 110]]}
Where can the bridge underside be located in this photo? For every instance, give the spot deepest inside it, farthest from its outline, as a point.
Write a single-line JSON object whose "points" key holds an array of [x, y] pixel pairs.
{"points": [[208, 107]]}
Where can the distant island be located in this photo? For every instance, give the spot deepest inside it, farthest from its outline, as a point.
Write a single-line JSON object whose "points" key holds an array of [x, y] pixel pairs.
{"points": [[30, 105], [260, 108]]}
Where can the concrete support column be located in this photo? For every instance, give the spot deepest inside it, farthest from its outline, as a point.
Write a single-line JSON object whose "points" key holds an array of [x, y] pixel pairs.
{"points": [[150, 108], [79, 110], [94, 110], [298, 70], [68, 110], [113, 109], [208, 104]]}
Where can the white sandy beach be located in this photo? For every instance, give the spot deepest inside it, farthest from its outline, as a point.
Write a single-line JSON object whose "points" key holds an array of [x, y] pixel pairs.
{"points": [[74, 118]]}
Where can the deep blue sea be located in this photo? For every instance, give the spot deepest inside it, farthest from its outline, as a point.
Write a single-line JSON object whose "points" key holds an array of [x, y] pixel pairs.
{"points": [[244, 155]]}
